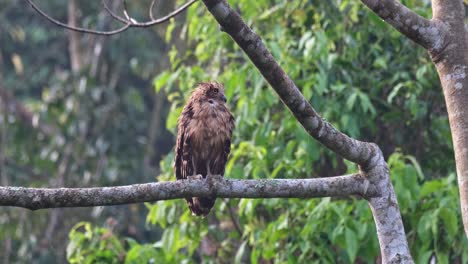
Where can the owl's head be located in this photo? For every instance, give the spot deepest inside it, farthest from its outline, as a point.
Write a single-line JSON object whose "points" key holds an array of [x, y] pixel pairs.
{"points": [[212, 92]]}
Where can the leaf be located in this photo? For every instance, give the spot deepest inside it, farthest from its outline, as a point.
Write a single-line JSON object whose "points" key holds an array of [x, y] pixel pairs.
{"points": [[416, 165], [430, 187], [424, 226], [161, 80], [394, 92], [366, 104], [442, 258], [351, 100], [240, 253], [380, 63], [351, 244], [450, 220], [170, 28], [254, 256]]}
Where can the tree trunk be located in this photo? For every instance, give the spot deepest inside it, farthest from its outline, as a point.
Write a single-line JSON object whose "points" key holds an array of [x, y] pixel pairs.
{"points": [[451, 62], [445, 36]]}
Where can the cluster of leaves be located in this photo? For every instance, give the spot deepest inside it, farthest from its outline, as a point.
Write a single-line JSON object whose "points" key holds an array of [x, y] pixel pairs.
{"points": [[367, 83]]}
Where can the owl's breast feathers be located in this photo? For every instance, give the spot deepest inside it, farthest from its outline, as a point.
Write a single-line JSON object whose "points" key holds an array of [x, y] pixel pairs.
{"points": [[209, 128]]}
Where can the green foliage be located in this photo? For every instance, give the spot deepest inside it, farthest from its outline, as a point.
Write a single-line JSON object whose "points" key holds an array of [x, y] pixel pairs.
{"points": [[431, 217], [93, 245]]}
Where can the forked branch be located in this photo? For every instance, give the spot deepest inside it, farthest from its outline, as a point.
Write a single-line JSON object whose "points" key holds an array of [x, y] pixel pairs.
{"points": [[424, 32], [127, 20]]}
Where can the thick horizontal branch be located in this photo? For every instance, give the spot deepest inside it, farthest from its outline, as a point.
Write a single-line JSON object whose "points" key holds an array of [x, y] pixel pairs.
{"points": [[424, 32], [215, 186]]}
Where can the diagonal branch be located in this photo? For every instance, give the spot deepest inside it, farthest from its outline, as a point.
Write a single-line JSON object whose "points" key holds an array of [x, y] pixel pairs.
{"points": [[40, 198], [424, 32], [349, 148]]}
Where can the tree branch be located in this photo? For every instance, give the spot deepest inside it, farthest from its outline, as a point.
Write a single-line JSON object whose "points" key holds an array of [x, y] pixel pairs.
{"points": [[349, 148], [127, 21], [78, 29], [424, 32], [452, 66], [152, 22], [40, 198], [449, 11]]}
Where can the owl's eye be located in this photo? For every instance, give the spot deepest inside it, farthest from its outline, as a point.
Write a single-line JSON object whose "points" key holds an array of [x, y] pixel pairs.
{"points": [[215, 90]]}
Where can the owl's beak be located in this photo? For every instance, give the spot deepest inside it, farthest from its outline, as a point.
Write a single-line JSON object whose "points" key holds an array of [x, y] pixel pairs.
{"points": [[223, 97]]}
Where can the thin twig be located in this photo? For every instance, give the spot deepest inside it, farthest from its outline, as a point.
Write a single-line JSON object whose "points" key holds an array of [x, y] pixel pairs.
{"points": [[113, 14], [167, 17], [78, 29], [127, 21], [151, 10], [126, 13]]}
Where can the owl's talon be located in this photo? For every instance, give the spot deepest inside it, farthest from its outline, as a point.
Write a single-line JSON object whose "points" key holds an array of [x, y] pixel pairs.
{"points": [[195, 177], [214, 177]]}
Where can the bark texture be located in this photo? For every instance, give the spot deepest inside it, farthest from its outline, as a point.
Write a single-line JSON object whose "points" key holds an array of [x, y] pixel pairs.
{"points": [[420, 30], [386, 212], [216, 186], [452, 66]]}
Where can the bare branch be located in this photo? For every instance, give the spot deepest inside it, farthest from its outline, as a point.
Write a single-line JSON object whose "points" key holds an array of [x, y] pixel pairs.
{"points": [[417, 28], [128, 21], [125, 11], [40, 198], [78, 29], [113, 14], [151, 10], [152, 22]]}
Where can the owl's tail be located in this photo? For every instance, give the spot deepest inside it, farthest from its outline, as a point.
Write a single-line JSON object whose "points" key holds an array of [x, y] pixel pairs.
{"points": [[200, 206]]}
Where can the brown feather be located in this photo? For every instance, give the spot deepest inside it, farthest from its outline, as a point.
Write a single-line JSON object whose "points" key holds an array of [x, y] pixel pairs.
{"points": [[203, 139]]}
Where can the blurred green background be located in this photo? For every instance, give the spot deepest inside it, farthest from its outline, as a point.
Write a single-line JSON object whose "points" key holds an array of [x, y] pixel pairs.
{"points": [[81, 110]]}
